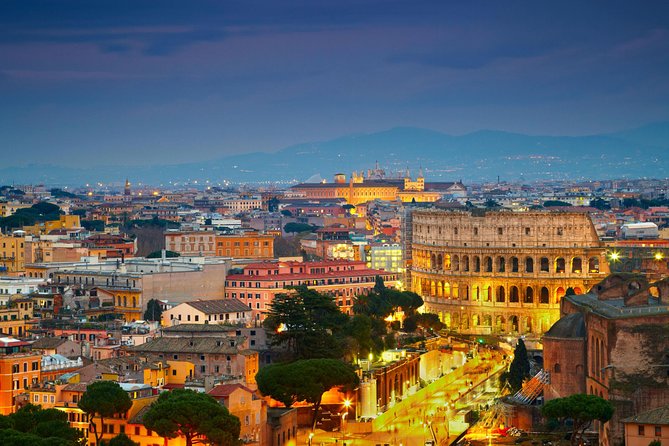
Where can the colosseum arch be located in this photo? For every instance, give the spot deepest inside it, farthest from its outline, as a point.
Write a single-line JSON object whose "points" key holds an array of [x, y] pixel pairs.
{"points": [[456, 263], [529, 295], [559, 293], [487, 264], [560, 265], [487, 320], [593, 264], [477, 264], [500, 323], [465, 263], [465, 292], [501, 264], [447, 262], [576, 265], [526, 324], [514, 295], [514, 264], [433, 261], [544, 295], [455, 291], [464, 323], [440, 262], [440, 289], [529, 265], [487, 294], [447, 289], [544, 265], [477, 293], [476, 320], [513, 323], [501, 294]]}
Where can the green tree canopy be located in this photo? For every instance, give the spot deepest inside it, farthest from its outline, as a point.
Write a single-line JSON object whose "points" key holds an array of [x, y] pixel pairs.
{"points": [[186, 413], [581, 409], [159, 254], [103, 399], [553, 203], [306, 323], [39, 212], [305, 380], [120, 440], [293, 227], [519, 370], [153, 310], [36, 426]]}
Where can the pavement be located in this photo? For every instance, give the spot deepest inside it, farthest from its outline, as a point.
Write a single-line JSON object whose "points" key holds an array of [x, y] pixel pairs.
{"points": [[428, 417]]}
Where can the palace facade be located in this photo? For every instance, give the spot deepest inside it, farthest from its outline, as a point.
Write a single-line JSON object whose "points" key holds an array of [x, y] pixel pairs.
{"points": [[502, 272]]}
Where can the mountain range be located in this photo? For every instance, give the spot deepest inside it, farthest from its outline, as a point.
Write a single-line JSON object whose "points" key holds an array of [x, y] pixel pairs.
{"points": [[478, 156]]}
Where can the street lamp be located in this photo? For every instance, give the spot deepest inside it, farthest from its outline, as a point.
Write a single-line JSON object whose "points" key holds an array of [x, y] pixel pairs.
{"points": [[311, 436], [347, 405]]}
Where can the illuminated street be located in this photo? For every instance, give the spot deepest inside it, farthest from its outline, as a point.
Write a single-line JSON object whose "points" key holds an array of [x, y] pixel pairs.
{"points": [[430, 415]]}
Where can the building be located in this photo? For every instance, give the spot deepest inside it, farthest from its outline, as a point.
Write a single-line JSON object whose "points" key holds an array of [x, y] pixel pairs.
{"points": [[191, 243], [243, 403], [258, 283], [361, 189], [502, 272], [19, 370], [247, 245], [220, 311], [17, 317], [644, 428], [12, 252], [387, 257], [132, 283], [212, 356], [613, 342]]}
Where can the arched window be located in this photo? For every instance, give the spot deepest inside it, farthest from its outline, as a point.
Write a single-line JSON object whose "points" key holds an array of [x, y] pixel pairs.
{"points": [[529, 295], [456, 263], [559, 265], [487, 264], [440, 262], [477, 264], [501, 294], [477, 293], [514, 264], [465, 293], [593, 265], [447, 261], [544, 264], [465, 263], [529, 265], [501, 264], [513, 294], [559, 293], [487, 294], [433, 261], [544, 295], [556, 368], [576, 265]]}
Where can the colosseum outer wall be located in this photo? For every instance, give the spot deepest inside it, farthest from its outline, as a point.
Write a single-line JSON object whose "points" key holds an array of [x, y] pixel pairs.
{"points": [[502, 272]]}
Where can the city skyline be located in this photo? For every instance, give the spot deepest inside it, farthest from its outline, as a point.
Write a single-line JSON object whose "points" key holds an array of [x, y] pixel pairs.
{"points": [[129, 84]]}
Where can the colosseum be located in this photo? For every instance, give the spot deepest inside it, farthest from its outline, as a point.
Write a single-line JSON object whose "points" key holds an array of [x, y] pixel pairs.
{"points": [[502, 272]]}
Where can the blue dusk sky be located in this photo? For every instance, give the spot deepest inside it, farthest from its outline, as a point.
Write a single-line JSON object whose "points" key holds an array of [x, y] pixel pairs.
{"points": [[145, 82]]}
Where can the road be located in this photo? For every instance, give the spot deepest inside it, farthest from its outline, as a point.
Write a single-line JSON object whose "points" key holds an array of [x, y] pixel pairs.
{"points": [[439, 411]]}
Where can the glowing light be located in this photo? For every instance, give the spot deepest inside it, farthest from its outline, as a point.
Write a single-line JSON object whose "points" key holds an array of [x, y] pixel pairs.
{"points": [[281, 328], [347, 403], [659, 256], [614, 256]]}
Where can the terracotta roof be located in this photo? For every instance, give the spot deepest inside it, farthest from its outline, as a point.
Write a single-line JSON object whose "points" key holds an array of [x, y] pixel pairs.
{"points": [[209, 328], [48, 342], [190, 345], [224, 390], [219, 306], [655, 416]]}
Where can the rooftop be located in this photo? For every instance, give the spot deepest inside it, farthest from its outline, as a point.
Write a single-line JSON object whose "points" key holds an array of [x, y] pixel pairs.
{"points": [[219, 306], [655, 416]]}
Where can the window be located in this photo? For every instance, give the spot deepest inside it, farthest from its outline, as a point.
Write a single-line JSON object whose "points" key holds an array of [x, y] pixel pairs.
{"points": [[658, 431], [641, 430], [500, 231]]}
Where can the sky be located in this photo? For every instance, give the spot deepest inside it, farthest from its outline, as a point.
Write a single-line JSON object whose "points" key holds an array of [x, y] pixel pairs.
{"points": [[84, 83]]}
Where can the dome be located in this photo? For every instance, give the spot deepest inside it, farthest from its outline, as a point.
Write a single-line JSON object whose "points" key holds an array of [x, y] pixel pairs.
{"points": [[571, 326]]}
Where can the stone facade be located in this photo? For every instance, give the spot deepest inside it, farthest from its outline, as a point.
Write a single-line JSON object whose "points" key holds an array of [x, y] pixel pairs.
{"points": [[502, 272], [625, 340]]}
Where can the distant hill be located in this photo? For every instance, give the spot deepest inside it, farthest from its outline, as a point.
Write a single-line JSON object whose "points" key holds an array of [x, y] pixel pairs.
{"points": [[477, 156]]}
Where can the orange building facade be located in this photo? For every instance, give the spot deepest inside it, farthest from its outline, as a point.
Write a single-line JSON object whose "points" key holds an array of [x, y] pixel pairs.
{"points": [[19, 370]]}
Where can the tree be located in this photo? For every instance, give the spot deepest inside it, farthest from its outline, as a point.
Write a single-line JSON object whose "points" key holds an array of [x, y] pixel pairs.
{"points": [[93, 225], [570, 292], [519, 370], [293, 227], [153, 310], [306, 323], [581, 409], [103, 399], [121, 440], [305, 380], [159, 254], [36, 426], [601, 204], [190, 414], [553, 203]]}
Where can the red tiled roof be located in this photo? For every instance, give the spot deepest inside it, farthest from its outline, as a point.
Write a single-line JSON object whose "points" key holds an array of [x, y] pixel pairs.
{"points": [[224, 390], [298, 276]]}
